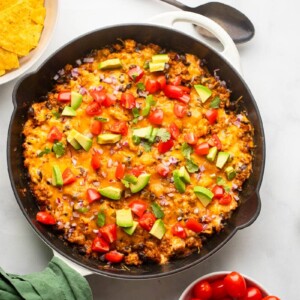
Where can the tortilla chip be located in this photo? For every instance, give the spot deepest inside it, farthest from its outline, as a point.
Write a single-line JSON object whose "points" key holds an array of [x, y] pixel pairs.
{"points": [[2, 72], [8, 60], [7, 3], [38, 15]]}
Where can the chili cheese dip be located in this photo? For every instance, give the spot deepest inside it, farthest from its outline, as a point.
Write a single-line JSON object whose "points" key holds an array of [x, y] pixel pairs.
{"points": [[134, 155]]}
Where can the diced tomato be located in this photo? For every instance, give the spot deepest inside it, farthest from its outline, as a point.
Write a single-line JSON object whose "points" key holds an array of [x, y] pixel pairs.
{"points": [[211, 115], [109, 100], [68, 176], [152, 86], [180, 110], [135, 74], [98, 96], [156, 117], [147, 220], [119, 127], [96, 127], [178, 230], [114, 256], [194, 225], [54, 135], [218, 191], [64, 96], [191, 138], [161, 81], [100, 245], [120, 171], [138, 207], [137, 171], [92, 195], [96, 161], [127, 100], [215, 141], [45, 218], [185, 98], [108, 232], [226, 199], [162, 170], [174, 131], [164, 147], [177, 92], [93, 109], [202, 149], [176, 81]]}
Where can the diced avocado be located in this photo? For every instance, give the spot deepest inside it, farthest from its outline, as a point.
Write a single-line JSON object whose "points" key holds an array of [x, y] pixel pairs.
{"points": [[156, 66], [153, 135], [84, 141], [136, 140], [57, 179], [111, 192], [131, 178], [131, 230], [230, 173], [76, 100], [184, 175], [110, 64], [179, 184], [158, 229], [142, 181], [144, 132], [108, 138], [124, 218], [149, 102], [212, 154], [222, 159], [204, 195], [160, 58], [203, 92], [68, 112], [71, 139]]}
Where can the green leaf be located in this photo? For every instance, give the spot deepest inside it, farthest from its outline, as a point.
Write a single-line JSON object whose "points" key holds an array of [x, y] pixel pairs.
{"points": [[101, 119], [130, 178], [149, 102], [125, 182], [215, 103], [191, 166], [83, 209], [56, 114], [45, 151], [59, 149], [136, 140], [140, 86], [159, 214], [135, 112], [164, 134], [186, 150], [146, 146], [101, 219], [222, 182]]}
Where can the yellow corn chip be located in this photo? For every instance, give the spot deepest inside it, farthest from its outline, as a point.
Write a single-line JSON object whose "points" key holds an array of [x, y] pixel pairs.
{"points": [[2, 72], [7, 3], [8, 60]]}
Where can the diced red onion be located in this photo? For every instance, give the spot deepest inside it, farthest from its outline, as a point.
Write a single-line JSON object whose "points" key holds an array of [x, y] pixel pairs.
{"points": [[140, 118], [83, 91], [114, 79], [179, 218], [107, 80], [164, 202], [236, 197], [202, 168], [101, 76], [109, 163], [57, 200], [75, 214], [78, 62], [103, 174], [234, 186], [170, 195], [196, 210], [74, 161], [56, 77], [74, 72], [88, 59], [125, 144], [237, 123], [95, 230], [61, 72]]}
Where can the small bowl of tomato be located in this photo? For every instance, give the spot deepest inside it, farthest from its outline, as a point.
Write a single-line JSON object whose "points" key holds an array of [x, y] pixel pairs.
{"points": [[226, 285]]}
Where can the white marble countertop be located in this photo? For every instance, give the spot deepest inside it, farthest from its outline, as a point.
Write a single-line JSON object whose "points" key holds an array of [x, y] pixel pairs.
{"points": [[269, 249]]}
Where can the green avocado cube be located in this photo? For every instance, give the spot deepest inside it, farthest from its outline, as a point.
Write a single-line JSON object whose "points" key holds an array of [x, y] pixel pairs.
{"points": [[156, 66], [76, 100], [204, 195], [71, 139], [158, 229], [203, 92], [178, 182], [144, 132], [124, 218], [131, 230], [108, 138], [68, 112], [230, 173], [222, 159], [212, 154], [57, 179], [84, 141], [111, 192], [184, 175], [113, 63], [160, 58], [142, 181]]}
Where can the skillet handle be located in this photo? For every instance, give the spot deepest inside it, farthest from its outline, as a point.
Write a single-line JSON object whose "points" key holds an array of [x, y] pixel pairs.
{"points": [[82, 271], [230, 51]]}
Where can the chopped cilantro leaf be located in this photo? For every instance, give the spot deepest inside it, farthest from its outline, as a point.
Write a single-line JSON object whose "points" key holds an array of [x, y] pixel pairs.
{"points": [[222, 182], [140, 86], [159, 214], [135, 112], [147, 146], [101, 119], [56, 114], [45, 151], [163, 134], [59, 149], [149, 102], [186, 150], [191, 166], [215, 103], [101, 219]]}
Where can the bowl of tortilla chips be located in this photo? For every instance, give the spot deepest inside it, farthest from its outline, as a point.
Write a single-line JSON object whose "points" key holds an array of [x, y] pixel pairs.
{"points": [[26, 27]]}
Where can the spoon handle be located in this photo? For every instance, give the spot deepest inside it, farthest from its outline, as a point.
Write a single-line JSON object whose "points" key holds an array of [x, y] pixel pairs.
{"points": [[178, 4]]}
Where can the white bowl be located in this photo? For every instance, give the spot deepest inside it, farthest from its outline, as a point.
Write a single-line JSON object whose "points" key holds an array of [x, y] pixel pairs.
{"points": [[27, 61], [187, 293]]}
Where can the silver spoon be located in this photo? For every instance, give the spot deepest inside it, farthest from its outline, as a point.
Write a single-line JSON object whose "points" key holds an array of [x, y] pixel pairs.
{"points": [[237, 25]]}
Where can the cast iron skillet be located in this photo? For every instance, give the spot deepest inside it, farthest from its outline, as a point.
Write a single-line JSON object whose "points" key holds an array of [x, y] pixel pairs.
{"points": [[33, 86]]}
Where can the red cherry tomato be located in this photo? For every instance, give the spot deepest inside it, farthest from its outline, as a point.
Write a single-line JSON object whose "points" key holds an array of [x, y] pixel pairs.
{"points": [[137, 171], [152, 86], [218, 191], [92, 195], [215, 141], [202, 149], [191, 138], [164, 147], [127, 100], [45, 218], [96, 161], [194, 225], [96, 127], [225, 199], [147, 220], [176, 81], [93, 109], [218, 289], [252, 293], [156, 117], [138, 207], [54, 135], [162, 170], [120, 171], [235, 285], [135, 74], [119, 127], [173, 91], [68, 176], [180, 110], [178, 230], [98, 96], [114, 256], [100, 245], [161, 81], [109, 100], [64, 96], [271, 298], [211, 115], [174, 131], [108, 233], [202, 290]]}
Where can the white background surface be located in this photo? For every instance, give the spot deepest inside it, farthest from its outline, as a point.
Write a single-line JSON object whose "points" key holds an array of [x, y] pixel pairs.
{"points": [[268, 250]]}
